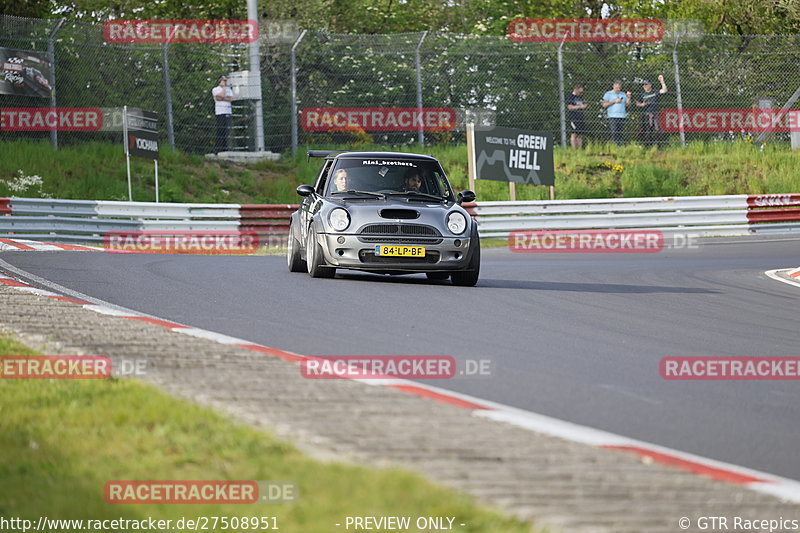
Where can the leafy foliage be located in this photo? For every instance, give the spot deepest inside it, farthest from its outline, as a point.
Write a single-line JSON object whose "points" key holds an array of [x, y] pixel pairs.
{"points": [[457, 16]]}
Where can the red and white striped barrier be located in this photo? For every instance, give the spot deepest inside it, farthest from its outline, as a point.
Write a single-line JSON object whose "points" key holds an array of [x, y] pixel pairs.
{"points": [[773, 208]]}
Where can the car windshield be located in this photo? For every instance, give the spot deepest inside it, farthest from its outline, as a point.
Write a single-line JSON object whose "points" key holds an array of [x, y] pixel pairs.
{"points": [[414, 178]]}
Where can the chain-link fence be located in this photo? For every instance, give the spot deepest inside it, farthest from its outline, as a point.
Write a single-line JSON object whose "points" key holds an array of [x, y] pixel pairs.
{"points": [[519, 84]]}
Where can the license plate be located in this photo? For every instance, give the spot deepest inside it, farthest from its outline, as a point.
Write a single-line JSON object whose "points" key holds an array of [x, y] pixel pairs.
{"points": [[399, 251]]}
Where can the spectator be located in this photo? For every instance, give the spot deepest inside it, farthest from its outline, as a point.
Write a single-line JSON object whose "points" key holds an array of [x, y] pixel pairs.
{"points": [[576, 116], [223, 96], [648, 103], [615, 102]]}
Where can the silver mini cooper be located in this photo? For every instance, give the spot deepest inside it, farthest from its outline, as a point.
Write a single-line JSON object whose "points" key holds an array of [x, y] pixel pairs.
{"points": [[384, 212]]}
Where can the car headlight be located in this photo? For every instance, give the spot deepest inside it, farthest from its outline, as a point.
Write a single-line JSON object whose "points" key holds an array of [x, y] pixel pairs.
{"points": [[339, 219], [456, 222]]}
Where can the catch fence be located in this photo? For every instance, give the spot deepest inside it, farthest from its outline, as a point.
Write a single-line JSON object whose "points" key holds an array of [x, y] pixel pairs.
{"points": [[483, 78]]}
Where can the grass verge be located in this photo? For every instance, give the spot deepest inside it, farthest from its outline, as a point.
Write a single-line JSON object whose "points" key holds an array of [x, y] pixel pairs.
{"points": [[63, 440], [97, 171]]}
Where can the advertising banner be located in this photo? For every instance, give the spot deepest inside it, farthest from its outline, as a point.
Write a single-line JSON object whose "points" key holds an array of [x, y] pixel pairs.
{"points": [[24, 73]]}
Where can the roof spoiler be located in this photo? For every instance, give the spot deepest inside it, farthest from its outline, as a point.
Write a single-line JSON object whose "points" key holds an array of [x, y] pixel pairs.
{"points": [[324, 153]]}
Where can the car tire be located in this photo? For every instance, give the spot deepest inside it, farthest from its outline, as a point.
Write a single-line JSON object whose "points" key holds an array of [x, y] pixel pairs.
{"points": [[294, 258], [437, 276], [315, 261], [469, 276]]}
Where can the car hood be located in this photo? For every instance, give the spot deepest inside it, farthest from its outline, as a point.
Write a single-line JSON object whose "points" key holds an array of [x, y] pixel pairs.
{"points": [[396, 210]]}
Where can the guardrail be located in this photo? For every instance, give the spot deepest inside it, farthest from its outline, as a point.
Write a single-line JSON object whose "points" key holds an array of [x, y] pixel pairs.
{"points": [[88, 220], [727, 215]]}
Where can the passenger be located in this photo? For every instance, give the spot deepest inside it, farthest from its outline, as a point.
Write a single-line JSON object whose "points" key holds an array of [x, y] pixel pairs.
{"points": [[340, 179]]}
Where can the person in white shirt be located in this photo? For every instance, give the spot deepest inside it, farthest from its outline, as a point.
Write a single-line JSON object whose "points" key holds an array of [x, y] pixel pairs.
{"points": [[223, 96]]}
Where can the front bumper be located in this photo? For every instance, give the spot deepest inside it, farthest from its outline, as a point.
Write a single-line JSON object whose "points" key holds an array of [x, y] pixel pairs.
{"points": [[452, 253]]}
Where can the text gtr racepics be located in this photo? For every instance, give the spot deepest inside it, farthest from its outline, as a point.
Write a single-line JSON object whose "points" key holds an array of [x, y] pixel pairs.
{"points": [[384, 212]]}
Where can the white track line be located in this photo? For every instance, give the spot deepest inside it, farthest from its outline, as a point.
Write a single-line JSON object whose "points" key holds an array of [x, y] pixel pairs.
{"points": [[774, 275]]}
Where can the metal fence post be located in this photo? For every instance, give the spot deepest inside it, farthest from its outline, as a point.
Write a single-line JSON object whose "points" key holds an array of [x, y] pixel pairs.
{"points": [[168, 96], [294, 90], [255, 76], [421, 131], [562, 112], [678, 91], [789, 103], [51, 54]]}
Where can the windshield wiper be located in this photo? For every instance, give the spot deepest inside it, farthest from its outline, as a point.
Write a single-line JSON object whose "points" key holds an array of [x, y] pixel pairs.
{"points": [[417, 193], [353, 191]]}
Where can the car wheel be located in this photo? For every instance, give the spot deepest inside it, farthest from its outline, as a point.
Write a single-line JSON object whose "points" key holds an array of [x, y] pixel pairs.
{"points": [[437, 276], [293, 256], [469, 276], [315, 261]]}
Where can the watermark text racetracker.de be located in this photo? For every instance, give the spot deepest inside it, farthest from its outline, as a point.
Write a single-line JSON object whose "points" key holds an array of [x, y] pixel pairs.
{"points": [[393, 367], [180, 31], [51, 119], [378, 119], [70, 367], [585, 30], [182, 242], [199, 492], [184, 523], [725, 120], [619, 241], [730, 368]]}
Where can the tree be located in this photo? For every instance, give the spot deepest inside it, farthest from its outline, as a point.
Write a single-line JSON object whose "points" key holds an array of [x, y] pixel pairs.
{"points": [[741, 18], [30, 8], [487, 17]]}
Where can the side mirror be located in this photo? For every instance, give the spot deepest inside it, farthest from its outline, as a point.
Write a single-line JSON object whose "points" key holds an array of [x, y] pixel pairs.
{"points": [[305, 190], [466, 196]]}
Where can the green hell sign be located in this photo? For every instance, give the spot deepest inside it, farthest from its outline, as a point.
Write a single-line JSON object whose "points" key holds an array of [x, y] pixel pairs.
{"points": [[514, 155]]}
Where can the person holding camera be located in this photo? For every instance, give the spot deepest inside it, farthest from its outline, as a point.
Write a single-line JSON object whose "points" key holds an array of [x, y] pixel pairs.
{"points": [[615, 102]]}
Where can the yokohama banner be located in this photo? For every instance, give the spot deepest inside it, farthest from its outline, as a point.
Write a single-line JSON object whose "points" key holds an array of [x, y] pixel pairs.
{"points": [[142, 133]]}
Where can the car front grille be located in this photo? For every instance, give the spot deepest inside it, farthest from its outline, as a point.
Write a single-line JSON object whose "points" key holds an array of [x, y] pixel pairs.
{"points": [[399, 234]]}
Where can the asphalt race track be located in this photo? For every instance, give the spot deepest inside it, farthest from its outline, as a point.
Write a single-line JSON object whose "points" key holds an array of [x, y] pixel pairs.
{"points": [[573, 336]]}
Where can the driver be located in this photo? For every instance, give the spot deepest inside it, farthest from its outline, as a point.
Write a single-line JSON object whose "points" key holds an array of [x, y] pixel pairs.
{"points": [[340, 179], [412, 180]]}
